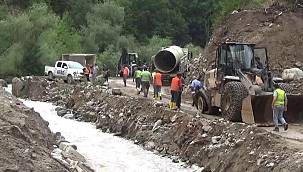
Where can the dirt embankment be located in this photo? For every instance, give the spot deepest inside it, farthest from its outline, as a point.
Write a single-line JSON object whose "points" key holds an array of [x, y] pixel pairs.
{"points": [[217, 145], [26, 141], [277, 28]]}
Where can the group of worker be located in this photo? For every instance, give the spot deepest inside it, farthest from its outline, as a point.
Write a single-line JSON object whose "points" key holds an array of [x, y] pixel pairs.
{"points": [[144, 79], [91, 72]]}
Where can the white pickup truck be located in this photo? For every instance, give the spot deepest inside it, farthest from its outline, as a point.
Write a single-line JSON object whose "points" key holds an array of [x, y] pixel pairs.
{"points": [[69, 71]]}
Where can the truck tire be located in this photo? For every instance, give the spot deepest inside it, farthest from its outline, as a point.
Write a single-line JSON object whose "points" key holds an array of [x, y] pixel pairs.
{"points": [[50, 76], [286, 87], [69, 79], [231, 101]]}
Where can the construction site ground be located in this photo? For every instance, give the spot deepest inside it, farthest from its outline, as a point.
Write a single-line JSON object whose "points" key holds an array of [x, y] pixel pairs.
{"points": [[294, 134], [187, 136]]}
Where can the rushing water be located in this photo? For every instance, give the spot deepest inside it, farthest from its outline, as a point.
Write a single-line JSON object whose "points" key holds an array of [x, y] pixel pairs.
{"points": [[104, 151], [8, 88]]}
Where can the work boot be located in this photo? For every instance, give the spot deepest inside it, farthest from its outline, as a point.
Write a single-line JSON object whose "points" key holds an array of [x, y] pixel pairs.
{"points": [[173, 106], [170, 105], [276, 129], [285, 126], [159, 96]]}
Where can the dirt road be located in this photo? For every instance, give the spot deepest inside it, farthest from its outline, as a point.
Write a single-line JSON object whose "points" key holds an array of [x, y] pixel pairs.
{"points": [[186, 105]]}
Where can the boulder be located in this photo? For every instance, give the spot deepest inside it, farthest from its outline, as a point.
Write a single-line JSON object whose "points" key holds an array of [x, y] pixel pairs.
{"points": [[116, 91], [292, 74], [215, 139], [62, 112], [298, 64], [3, 83], [68, 151], [17, 87], [150, 145], [157, 125]]}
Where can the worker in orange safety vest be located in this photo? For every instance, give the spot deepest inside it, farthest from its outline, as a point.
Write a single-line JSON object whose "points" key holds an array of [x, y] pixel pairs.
{"points": [[125, 74], [86, 72], [157, 78], [176, 88]]}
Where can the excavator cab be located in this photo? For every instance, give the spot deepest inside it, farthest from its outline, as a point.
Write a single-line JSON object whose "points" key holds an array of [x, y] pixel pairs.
{"points": [[233, 58], [240, 85]]}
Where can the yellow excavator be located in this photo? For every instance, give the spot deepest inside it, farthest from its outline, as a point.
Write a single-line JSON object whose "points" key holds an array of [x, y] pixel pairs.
{"points": [[240, 85]]}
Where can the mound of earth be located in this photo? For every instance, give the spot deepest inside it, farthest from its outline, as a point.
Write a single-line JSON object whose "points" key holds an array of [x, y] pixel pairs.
{"points": [[277, 28], [26, 141]]}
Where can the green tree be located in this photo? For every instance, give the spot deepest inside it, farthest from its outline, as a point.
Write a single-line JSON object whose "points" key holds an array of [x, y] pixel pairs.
{"points": [[78, 11], [146, 18], [33, 39], [145, 52], [104, 27]]}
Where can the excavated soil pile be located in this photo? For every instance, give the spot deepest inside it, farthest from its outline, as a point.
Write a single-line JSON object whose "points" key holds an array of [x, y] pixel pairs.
{"points": [[217, 145], [297, 85], [26, 141], [277, 28]]}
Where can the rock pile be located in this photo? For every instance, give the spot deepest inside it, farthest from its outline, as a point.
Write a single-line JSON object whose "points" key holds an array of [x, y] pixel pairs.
{"points": [[63, 154], [26, 141], [297, 86], [68, 155], [3, 83]]}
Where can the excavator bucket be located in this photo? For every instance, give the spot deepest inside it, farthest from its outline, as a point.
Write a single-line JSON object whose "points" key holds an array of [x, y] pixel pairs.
{"points": [[258, 109]]}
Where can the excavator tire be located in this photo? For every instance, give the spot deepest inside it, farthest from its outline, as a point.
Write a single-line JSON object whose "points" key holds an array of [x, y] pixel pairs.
{"points": [[231, 103], [286, 87]]}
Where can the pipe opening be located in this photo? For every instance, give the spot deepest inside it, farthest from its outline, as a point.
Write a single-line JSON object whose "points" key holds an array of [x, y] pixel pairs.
{"points": [[165, 61]]}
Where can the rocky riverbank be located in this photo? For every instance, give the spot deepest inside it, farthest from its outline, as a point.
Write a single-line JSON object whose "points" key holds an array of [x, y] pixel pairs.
{"points": [[27, 144], [217, 145]]}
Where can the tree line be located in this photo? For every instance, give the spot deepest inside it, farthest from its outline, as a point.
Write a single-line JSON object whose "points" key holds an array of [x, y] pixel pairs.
{"points": [[37, 32]]}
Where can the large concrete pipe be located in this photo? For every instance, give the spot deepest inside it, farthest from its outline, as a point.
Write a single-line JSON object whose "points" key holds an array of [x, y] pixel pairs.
{"points": [[168, 59]]}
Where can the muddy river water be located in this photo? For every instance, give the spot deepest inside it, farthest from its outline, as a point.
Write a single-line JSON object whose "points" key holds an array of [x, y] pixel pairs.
{"points": [[104, 151]]}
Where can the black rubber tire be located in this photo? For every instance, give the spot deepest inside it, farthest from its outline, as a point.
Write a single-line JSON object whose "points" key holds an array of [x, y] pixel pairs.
{"points": [[286, 87], [231, 101], [69, 79], [50, 76], [201, 104]]}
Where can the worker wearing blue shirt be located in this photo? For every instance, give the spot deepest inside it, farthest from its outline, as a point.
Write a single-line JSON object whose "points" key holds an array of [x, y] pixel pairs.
{"points": [[196, 85]]}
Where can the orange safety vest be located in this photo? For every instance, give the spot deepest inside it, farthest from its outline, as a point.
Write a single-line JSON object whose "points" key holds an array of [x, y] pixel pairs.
{"points": [[175, 84], [86, 71], [158, 79], [125, 71]]}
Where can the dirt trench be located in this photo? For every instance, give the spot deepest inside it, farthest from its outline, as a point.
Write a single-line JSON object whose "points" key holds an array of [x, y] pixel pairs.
{"points": [[217, 145]]}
